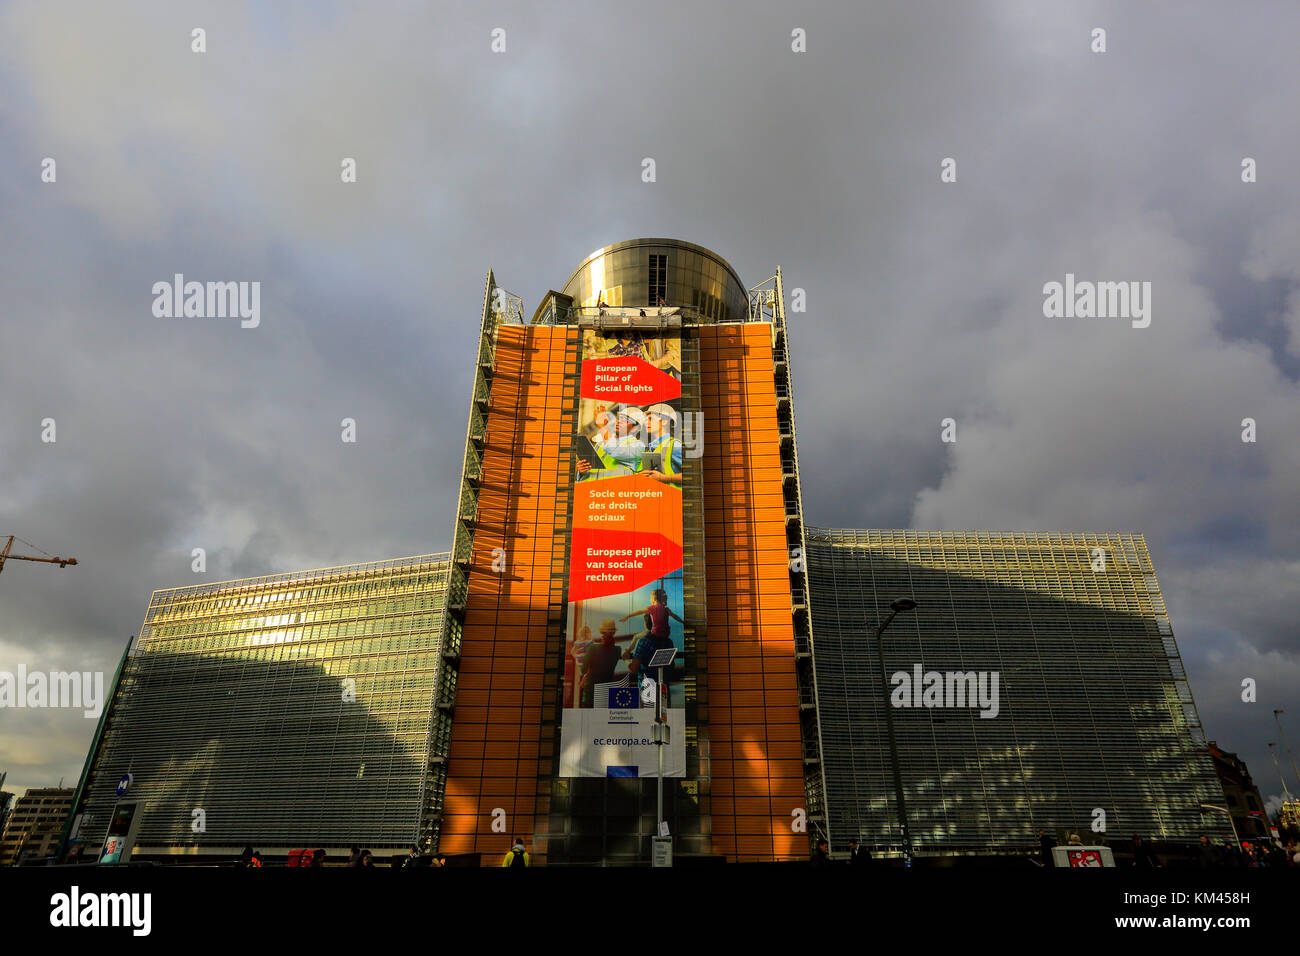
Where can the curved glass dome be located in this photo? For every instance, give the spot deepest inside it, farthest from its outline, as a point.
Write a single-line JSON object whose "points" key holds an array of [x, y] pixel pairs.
{"points": [[650, 271]]}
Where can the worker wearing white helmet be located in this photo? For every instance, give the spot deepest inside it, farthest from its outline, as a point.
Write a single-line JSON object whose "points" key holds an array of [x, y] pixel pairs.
{"points": [[629, 418], [663, 426], [621, 453], [666, 415]]}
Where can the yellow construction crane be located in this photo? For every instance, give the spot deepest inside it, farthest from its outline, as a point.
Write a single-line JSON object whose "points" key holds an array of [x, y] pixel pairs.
{"points": [[48, 559]]}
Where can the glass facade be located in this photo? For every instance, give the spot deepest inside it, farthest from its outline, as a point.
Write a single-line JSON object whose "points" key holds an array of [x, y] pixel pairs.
{"points": [[285, 711], [1094, 709]]}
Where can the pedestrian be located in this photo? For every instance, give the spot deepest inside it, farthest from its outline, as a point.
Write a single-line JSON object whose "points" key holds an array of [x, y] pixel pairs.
{"points": [[1045, 844], [517, 855], [318, 859], [821, 855], [1208, 856], [858, 855], [1143, 858], [354, 856]]}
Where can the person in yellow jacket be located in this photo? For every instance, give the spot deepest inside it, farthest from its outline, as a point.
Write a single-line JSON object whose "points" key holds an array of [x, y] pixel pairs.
{"points": [[662, 426], [517, 855]]}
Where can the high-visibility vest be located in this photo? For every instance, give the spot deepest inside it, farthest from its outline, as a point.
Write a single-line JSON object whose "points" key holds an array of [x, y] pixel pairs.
{"points": [[606, 459], [610, 463], [668, 447], [666, 450]]}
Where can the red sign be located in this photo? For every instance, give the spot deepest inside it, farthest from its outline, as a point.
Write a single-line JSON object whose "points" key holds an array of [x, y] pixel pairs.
{"points": [[618, 562], [628, 379]]}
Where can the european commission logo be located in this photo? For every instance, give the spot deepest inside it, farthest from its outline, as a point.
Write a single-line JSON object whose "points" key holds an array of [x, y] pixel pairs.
{"points": [[621, 698], [621, 694]]}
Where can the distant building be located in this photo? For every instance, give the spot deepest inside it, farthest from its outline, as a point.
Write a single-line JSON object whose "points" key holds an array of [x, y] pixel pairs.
{"points": [[1244, 800], [6, 804], [1288, 820], [287, 711], [1092, 713], [34, 824]]}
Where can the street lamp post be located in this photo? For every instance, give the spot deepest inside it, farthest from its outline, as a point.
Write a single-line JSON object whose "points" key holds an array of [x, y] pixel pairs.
{"points": [[659, 739], [662, 658], [1277, 715], [1272, 752], [902, 604]]}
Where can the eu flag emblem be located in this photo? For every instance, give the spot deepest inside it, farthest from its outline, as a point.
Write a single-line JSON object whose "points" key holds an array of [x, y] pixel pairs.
{"points": [[621, 698]]}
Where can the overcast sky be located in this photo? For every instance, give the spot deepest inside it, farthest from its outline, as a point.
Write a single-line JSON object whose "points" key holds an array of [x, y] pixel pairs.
{"points": [[924, 298]]}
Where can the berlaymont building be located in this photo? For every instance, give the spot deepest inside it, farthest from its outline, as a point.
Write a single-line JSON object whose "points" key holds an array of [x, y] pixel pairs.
{"points": [[631, 600]]}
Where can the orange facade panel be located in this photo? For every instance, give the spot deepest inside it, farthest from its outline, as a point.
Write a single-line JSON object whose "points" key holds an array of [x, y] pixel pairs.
{"points": [[494, 760], [750, 724], [753, 714]]}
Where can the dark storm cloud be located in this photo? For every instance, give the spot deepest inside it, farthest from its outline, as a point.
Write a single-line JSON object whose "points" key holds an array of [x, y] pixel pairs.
{"points": [[924, 299]]}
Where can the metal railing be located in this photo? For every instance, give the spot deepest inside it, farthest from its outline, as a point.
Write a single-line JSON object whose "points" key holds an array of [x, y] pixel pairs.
{"points": [[574, 314]]}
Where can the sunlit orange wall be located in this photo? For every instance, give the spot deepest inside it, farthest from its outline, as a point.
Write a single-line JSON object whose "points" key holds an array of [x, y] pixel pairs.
{"points": [[753, 714], [753, 717], [503, 688]]}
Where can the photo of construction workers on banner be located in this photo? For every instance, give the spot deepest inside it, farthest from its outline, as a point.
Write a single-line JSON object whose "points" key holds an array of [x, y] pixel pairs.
{"points": [[617, 439], [625, 561]]}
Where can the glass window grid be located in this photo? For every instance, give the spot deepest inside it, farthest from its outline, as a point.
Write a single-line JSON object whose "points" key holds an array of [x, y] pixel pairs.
{"points": [[215, 711], [1096, 711]]}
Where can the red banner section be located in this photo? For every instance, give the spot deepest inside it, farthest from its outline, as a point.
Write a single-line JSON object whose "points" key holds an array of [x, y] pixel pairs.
{"points": [[627, 379], [618, 562]]}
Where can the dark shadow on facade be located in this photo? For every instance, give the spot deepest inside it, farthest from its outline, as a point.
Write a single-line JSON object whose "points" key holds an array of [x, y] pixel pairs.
{"points": [[1094, 711]]}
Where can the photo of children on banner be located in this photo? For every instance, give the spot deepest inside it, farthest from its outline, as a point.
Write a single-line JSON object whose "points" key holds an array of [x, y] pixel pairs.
{"points": [[621, 439], [598, 665], [596, 669], [656, 637]]}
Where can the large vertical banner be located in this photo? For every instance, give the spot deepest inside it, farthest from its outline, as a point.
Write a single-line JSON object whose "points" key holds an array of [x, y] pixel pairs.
{"points": [[625, 564]]}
